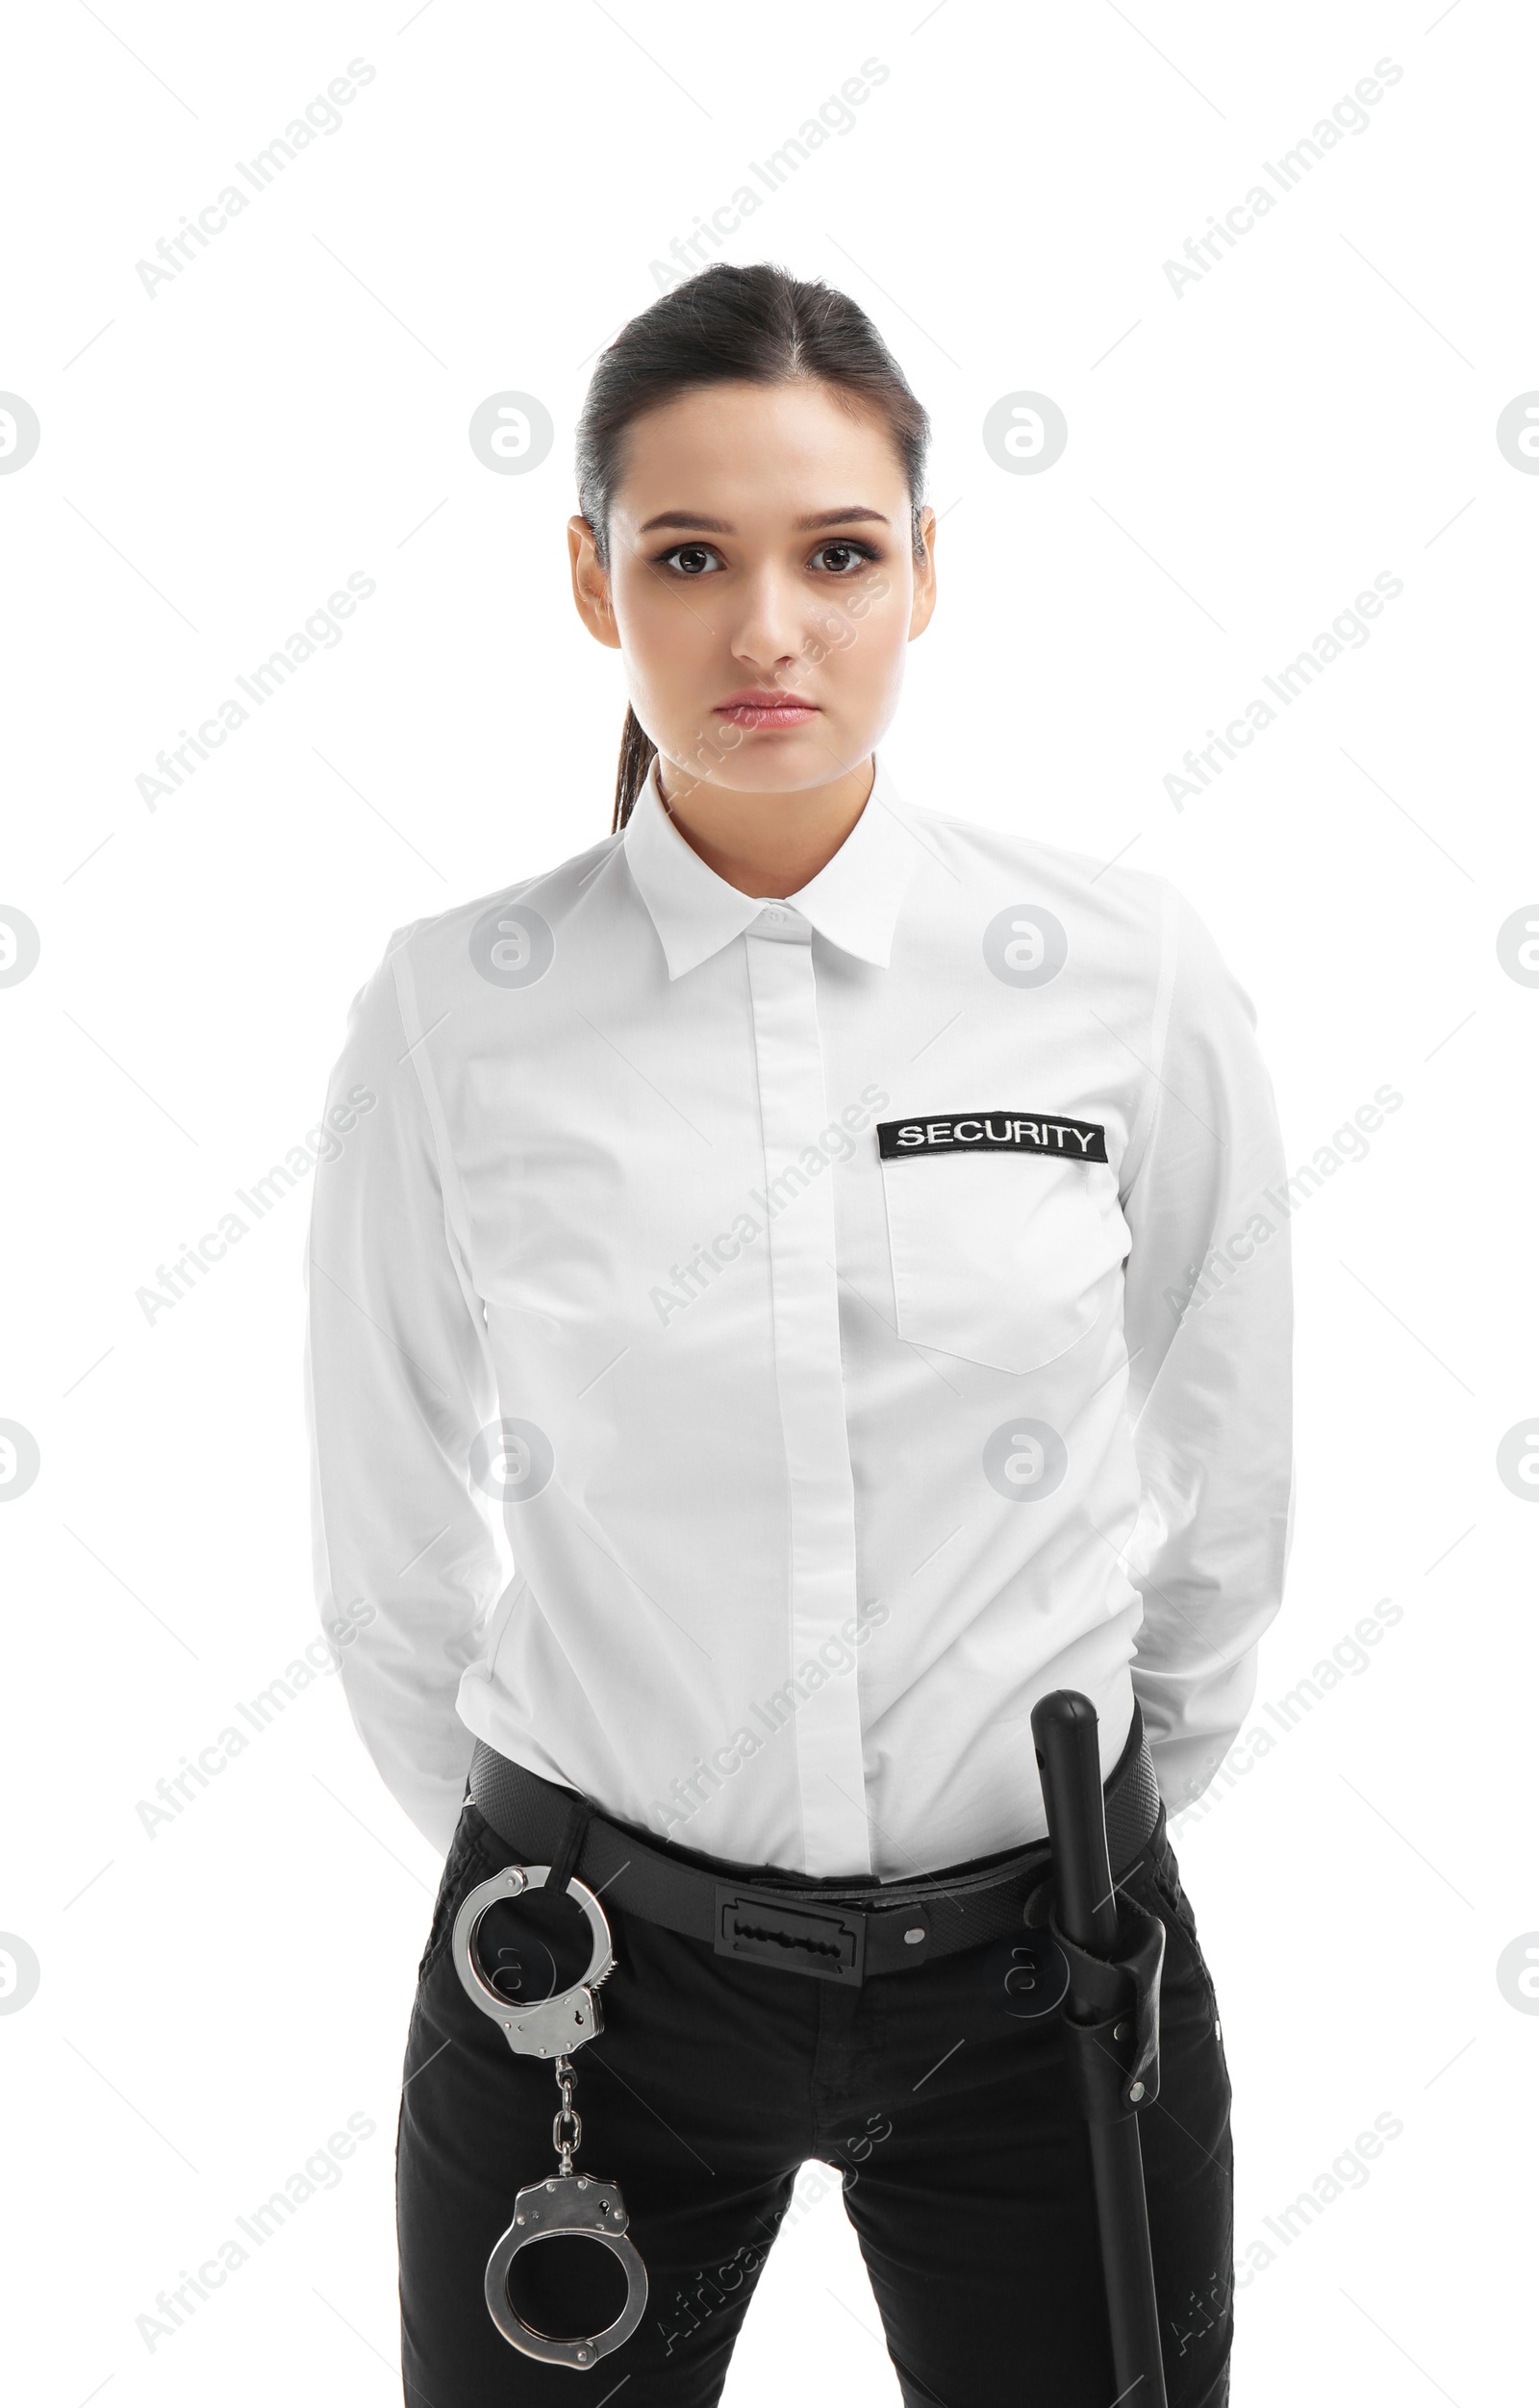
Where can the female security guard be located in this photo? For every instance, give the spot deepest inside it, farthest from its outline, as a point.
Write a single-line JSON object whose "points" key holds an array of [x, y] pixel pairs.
{"points": [[825, 1237]]}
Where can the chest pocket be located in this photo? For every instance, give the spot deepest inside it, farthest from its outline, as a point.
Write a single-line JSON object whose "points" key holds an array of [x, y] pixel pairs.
{"points": [[1003, 1259]]}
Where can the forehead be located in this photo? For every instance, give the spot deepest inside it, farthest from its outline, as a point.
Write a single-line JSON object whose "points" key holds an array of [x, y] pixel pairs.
{"points": [[760, 452]]}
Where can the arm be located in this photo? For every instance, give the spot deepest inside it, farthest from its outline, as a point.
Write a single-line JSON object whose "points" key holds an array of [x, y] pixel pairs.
{"points": [[1209, 1323], [398, 1380]]}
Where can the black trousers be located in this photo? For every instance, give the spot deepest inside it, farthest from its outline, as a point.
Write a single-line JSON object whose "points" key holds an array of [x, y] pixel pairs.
{"points": [[965, 2169]]}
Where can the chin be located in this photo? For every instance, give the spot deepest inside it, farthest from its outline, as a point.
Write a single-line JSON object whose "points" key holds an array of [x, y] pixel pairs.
{"points": [[785, 760]]}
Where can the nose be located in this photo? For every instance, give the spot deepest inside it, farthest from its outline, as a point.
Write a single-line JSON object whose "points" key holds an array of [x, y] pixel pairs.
{"points": [[769, 632]]}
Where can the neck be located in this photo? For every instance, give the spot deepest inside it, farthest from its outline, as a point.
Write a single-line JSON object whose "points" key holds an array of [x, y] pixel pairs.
{"points": [[768, 844]]}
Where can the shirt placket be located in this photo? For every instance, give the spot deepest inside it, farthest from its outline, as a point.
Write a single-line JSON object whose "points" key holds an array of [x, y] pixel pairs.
{"points": [[809, 1372]]}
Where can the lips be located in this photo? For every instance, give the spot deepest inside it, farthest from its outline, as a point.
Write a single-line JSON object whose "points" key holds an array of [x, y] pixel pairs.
{"points": [[765, 707]]}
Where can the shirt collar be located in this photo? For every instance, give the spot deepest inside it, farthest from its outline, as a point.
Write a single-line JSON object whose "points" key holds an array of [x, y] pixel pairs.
{"points": [[853, 901]]}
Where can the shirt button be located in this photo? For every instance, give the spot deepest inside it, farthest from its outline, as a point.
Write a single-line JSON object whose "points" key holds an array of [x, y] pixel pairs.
{"points": [[774, 911]]}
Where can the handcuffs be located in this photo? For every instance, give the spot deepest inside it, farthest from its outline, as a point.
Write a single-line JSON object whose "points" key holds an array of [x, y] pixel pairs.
{"points": [[565, 2205]]}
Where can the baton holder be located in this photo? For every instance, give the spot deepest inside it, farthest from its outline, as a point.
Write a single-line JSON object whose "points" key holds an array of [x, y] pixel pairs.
{"points": [[1115, 1953]]}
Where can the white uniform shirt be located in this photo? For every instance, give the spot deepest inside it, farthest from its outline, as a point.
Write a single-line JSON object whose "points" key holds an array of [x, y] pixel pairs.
{"points": [[820, 1455]]}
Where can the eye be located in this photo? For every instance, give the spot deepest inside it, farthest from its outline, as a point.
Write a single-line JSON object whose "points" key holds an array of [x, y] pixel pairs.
{"points": [[842, 557], [690, 560]]}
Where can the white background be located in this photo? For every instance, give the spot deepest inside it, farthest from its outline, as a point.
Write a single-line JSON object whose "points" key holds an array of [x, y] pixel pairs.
{"points": [[1241, 460]]}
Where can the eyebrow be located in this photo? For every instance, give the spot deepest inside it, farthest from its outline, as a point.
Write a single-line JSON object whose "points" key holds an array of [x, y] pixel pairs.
{"points": [[720, 526]]}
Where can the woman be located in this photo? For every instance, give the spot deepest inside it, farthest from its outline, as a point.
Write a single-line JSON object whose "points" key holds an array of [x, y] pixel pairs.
{"points": [[822, 1452]]}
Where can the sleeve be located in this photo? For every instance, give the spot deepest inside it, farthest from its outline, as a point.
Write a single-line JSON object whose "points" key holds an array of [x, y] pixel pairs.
{"points": [[1208, 1314], [398, 1380]]}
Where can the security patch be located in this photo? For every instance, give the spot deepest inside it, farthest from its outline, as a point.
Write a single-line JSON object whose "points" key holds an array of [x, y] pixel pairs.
{"points": [[994, 1133]]}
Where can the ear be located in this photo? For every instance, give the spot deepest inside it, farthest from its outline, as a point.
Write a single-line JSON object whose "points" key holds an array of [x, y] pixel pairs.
{"points": [[590, 585], [923, 577]]}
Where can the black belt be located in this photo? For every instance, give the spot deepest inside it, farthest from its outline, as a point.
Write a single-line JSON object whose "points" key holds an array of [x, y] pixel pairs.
{"points": [[837, 1930]]}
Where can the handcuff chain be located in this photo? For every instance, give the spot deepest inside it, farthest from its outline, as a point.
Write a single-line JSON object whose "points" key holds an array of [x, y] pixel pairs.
{"points": [[565, 2147]]}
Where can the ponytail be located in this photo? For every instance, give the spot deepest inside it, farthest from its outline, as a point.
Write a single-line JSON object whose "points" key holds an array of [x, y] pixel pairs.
{"points": [[637, 754]]}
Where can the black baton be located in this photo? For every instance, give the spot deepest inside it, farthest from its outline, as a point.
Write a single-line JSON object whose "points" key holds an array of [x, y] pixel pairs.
{"points": [[1108, 2015]]}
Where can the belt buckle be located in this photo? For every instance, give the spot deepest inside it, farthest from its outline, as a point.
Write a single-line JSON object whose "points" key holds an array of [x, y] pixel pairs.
{"points": [[828, 1942]]}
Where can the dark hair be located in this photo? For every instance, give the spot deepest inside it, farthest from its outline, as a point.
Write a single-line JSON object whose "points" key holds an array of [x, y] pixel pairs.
{"points": [[732, 325]]}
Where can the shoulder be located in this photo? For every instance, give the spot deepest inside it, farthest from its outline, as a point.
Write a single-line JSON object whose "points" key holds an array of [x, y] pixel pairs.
{"points": [[1106, 912], [1130, 935], [546, 901], [503, 938], [999, 861]]}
